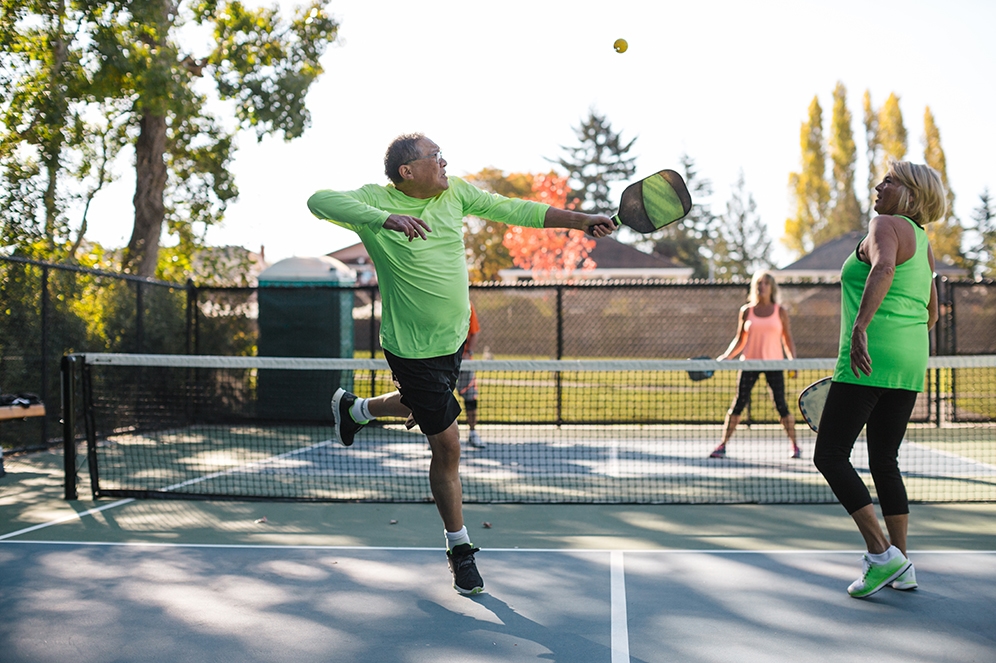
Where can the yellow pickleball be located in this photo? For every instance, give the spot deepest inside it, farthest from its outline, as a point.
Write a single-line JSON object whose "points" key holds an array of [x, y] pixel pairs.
{"points": [[620, 45]]}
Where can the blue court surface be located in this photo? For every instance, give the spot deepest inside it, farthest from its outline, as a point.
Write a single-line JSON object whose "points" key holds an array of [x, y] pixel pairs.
{"points": [[172, 580], [72, 602]]}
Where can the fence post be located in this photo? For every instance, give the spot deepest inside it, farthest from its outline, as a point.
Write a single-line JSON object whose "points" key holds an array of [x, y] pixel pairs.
{"points": [[373, 338], [139, 308], [560, 352], [191, 301]]}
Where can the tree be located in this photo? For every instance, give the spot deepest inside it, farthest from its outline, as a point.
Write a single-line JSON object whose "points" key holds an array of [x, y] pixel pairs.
{"points": [[598, 160], [691, 241], [845, 212], [946, 233], [809, 186], [984, 257], [127, 55], [744, 245], [53, 152], [486, 252], [873, 152], [892, 137], [549, 251]]}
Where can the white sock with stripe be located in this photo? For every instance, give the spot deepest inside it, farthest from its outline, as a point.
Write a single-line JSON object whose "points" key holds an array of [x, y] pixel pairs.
{"points": [[360, 411], [454, 539]]}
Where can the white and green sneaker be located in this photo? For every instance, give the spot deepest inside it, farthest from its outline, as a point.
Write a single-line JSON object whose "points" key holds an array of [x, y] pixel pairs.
{"points": [[876, 576], [906, 580]]}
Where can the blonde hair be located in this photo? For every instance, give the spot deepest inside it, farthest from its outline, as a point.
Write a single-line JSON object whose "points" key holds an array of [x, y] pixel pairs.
{"points": [[923, 198], [752, 295]]}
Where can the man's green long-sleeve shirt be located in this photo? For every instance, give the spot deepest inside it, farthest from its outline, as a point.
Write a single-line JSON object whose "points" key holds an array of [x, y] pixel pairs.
{"points": [[423, 283]]}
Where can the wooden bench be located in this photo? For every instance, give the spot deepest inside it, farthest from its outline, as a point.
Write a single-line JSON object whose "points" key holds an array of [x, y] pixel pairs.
{"points": [[21, 412]]}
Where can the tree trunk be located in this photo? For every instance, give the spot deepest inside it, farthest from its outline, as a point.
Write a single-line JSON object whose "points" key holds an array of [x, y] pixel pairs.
{"points": [[142, 253], [56, 117]]}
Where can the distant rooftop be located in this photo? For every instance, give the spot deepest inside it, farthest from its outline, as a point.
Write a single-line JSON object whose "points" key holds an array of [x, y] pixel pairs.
{"points": [[613, 259], [825, 261]]}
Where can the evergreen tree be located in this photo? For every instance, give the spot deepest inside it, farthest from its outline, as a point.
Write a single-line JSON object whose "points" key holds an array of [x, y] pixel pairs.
{"points": [[598, 160], [810, 187], [691, 241], [873, 153], [983, 259], [845, 214], [743, 245], [945, 234]]}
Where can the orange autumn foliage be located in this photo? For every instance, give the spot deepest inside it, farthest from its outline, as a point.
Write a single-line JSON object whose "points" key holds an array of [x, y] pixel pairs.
{"points": [[550, 252]]}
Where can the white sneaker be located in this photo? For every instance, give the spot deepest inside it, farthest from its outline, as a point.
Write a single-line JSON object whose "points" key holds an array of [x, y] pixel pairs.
{"points": [[475, 440], [906, 581], [875, 576]]}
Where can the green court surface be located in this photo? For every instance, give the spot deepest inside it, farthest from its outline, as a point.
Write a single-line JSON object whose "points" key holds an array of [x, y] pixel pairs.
{"points": [[169, 580]]}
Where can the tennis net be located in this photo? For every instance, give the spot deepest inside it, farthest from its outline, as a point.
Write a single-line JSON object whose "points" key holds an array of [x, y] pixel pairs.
{"points": [[555, 431]]}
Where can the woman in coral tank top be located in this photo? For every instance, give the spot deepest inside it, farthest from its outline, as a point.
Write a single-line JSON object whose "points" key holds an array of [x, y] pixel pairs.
{"points": [[762, 333]]}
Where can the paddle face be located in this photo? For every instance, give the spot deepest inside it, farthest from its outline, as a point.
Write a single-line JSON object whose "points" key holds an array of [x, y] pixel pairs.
{"points": [[654, 202], [811, 402], [698, 376]]}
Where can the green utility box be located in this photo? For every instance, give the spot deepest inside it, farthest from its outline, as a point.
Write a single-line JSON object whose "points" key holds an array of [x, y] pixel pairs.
{"points": [[305, 310]]}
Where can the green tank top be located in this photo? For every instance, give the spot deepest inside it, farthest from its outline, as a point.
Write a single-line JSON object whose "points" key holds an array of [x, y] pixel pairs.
{"points": [[898, 340]]}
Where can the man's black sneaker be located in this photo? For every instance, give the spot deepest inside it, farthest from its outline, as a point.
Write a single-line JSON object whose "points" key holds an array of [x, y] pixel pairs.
{"points": [[345, 427], [466, 579]]}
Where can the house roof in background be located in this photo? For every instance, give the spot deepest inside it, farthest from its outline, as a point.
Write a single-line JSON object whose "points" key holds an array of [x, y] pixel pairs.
{"points": [[355, 254], [826, 260], [611, 253], [608, 253]]}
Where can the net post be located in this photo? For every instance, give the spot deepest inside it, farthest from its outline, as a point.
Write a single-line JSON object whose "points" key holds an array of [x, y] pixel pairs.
{"points": [[139, 314], [69, 374], [44, 348], [90, 427]]}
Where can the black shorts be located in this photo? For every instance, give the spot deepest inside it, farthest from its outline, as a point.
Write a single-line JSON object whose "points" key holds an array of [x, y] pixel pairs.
{"points": [[426, 387]]}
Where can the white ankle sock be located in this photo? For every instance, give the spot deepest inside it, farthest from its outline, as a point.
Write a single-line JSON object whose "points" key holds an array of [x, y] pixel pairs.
{"points": [[882, 558], [361, 411], [456, 538]]}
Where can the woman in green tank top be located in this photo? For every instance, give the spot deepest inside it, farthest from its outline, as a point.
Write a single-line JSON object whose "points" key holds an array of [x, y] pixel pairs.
{"points": [[888, 305]]}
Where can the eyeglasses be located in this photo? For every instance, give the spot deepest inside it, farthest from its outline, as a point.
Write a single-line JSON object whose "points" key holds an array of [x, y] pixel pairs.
{"points": [[438, 156]]}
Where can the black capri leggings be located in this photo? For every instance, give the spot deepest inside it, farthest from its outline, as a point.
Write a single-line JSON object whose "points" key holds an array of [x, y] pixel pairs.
{"points": [[746, 382], [886, 412]]}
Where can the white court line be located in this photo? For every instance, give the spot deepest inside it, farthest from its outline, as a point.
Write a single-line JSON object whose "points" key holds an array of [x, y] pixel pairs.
{"points": [[568, 551], [617, 601], [64, 519]]}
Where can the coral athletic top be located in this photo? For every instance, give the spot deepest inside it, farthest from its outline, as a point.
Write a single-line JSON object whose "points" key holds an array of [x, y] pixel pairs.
{"points": [[764, 335]]}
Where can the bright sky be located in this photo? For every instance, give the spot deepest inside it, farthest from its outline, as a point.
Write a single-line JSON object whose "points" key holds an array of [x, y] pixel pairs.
{"points": [[501, 84]]}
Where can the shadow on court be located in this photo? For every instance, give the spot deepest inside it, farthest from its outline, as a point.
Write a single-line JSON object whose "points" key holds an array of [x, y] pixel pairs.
{"points": [[163, 603], [155, 581]]}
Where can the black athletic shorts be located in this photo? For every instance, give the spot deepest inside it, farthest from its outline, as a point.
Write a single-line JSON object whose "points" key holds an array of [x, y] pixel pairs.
{"points": [[426, 387]]}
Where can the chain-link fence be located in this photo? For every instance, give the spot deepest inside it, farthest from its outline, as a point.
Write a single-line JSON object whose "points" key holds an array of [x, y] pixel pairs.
{"points": [[48, 310]]}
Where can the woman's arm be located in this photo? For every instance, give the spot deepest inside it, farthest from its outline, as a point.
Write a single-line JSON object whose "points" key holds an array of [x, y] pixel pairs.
{"points": [[787, 341], [932, 313], [740, 340], [881, 247]]}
